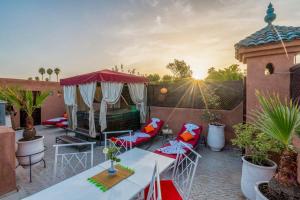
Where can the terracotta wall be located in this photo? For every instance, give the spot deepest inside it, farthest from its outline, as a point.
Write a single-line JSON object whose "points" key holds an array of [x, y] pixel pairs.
{"points": [[53, 106], [278, 82], [176, 117], [7, 161]]}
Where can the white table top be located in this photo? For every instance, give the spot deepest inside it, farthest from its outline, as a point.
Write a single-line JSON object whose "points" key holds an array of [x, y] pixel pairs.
{"points": [[77, 187]]}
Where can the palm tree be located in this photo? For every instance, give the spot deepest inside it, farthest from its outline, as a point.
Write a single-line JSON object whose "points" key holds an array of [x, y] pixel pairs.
{"points": [[56, 71], [281, 121], [24, 100], [49, 72], [42, 71]]}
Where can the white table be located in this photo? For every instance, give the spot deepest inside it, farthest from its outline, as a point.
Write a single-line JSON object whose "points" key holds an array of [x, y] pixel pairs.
{"points": [[78, 188]]}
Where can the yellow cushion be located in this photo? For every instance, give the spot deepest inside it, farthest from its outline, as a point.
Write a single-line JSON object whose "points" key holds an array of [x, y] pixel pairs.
{"points": [[149, 128], [186, 136]]}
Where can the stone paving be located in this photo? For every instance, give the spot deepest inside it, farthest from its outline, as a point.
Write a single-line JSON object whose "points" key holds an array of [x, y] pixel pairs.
{"points": [[217, 177]]}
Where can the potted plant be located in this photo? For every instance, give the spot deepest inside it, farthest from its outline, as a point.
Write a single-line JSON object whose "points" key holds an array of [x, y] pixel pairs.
{"points": [[111, 155], [256, 165], [215, 135], [281, 121], [30, 143]]}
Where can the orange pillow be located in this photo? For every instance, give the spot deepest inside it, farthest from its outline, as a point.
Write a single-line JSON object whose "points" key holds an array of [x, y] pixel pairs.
{"points": [[149, 128], [186, 136]]}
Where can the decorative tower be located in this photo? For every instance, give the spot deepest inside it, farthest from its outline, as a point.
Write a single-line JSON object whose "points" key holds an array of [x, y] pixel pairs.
{"points": [[269, 54]]}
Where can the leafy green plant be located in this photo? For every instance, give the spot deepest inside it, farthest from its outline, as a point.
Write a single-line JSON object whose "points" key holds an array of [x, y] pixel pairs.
{"points": [[258, 145], [212, 101], [24, 100], [111, 153], [280, 120], [211, 117]]}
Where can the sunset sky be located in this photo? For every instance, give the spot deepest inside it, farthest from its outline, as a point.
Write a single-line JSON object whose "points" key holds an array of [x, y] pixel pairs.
{"points": [[85, 36]]}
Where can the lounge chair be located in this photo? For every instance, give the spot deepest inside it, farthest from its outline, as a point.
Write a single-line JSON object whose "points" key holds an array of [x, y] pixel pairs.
{"points": [[63, 124], [54, 121], [193, 142], [140, 140]]}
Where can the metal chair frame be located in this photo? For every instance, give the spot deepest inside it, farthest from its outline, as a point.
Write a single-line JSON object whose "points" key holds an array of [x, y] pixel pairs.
{"points": [[66, 158]]}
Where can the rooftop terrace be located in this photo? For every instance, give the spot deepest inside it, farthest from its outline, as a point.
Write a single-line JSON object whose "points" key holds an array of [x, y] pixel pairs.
{"points": [[217, 176]]}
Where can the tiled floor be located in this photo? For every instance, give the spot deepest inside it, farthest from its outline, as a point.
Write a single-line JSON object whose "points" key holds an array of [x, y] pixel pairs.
{"points": [[217, 177]]}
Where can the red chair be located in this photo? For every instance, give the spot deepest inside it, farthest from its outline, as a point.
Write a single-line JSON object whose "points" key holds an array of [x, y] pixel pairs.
{"points": [[154, 189], [180, 185], [194, 142]]}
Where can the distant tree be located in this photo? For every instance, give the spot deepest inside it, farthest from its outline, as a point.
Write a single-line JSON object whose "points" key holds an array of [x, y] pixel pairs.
{"points": [[122, 68], [37, 78], [30, 78], [116, 68], [180, 69], [167, 78], [49, 72], [46, 79], [57, 72], [42, 71], [153, 77], [231, 73]]}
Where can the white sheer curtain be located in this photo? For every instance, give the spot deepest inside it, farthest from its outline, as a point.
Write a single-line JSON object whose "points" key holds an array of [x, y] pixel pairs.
{"points": [[70, 101], [87, 92], [111, 92], [138, 95]]}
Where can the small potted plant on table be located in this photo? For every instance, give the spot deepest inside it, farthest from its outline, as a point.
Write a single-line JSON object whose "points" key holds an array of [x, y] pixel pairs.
{"points": [[281, 121], [256, 165], [111, 155]]}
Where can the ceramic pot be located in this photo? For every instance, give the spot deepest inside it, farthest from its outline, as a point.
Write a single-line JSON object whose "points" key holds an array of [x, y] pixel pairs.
{"points": [[26, 148], [251, 174], [216, 137], [258, 194]]}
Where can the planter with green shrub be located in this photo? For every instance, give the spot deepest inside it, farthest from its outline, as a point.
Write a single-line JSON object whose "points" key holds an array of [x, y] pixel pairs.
{"points": [[30, 143], [256, 163]]}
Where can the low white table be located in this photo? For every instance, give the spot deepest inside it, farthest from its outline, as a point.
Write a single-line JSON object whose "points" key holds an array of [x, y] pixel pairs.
{"points": [[78, 188]]}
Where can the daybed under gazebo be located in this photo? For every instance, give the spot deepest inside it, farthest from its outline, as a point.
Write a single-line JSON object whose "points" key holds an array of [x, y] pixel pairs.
{"points": [[102, 90]]}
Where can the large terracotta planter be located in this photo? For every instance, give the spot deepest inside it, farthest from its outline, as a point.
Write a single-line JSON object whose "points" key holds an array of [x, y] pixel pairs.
{"points": [[251, 174], [26, 148]]}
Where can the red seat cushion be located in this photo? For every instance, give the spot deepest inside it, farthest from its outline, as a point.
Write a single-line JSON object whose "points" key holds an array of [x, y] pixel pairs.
{"points": [[53, 123], [168, 191]]}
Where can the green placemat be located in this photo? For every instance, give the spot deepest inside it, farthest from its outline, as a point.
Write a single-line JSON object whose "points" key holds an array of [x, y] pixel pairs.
{"points": [[104, 181]]}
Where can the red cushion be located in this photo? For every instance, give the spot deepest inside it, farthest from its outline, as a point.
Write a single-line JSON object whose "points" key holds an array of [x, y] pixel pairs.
{"points": [[168, 191], [53, 123]]}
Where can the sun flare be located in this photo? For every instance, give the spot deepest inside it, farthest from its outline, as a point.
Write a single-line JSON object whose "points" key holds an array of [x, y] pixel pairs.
{"points": [[199, 75]]}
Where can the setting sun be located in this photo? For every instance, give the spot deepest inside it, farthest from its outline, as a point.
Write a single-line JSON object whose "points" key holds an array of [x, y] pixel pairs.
{"points": [[199, 74]]}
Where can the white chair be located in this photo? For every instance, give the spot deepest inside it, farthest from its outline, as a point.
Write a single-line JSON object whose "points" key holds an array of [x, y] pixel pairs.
{"points": [[154, 191], [180, 185], [71, 163], [122, 144]]}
